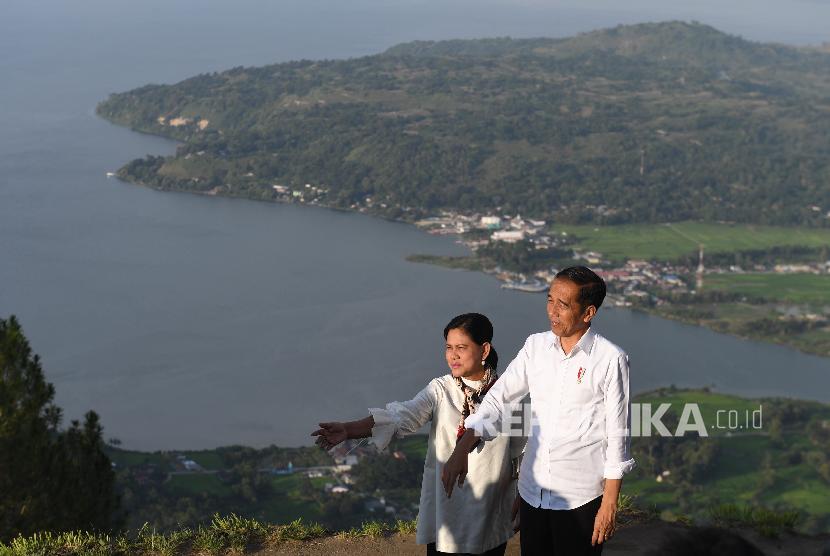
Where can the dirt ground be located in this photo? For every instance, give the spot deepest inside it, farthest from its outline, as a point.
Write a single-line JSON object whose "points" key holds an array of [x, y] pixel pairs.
{"points": [[634, 539]]}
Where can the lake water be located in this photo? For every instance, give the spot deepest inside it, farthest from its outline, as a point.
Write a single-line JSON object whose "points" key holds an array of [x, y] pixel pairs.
{"points": [[195, 322]]}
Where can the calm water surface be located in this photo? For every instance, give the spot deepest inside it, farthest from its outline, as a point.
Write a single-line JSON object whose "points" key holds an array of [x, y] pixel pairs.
{"points": [[194, 322]]}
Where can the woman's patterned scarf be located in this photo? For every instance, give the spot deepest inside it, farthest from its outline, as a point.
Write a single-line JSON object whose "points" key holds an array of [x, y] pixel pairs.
{"points": [[473, 396]]}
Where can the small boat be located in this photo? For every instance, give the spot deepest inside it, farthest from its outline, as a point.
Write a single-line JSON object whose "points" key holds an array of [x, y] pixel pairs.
{"points": [[535, 286], [110, 174]]}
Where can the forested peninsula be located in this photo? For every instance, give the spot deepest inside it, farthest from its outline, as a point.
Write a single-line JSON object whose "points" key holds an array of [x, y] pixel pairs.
{"points": [[636, 124]]}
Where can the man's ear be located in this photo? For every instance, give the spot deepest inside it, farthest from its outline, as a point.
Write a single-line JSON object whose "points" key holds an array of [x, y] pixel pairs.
{"points": [[486, 350], [589, 314]]}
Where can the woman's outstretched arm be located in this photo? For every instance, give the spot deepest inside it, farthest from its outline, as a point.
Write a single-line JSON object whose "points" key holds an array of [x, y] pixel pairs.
{"points": [[382, 424], [331, 434]]}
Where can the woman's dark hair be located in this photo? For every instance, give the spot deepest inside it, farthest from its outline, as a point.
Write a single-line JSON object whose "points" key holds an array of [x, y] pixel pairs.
{"points": [[591, 286], [480, 330]]}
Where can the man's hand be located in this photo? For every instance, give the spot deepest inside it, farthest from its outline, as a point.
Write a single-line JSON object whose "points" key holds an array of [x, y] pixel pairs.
{"points": [[455, 470], [514, 514], [605, 523], [330, 435]]}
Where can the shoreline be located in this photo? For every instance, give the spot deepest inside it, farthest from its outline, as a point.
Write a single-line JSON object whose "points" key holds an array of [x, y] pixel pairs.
{"points": [[472, 262], [253, 199], [758, 339]]}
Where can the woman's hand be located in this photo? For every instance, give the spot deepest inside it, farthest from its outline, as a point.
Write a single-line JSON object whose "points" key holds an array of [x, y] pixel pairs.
{"points": [[605, 523], [330, 435], [454, 471]]}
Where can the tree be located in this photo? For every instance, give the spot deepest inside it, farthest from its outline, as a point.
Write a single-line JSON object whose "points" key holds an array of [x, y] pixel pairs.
{"points": [[50, 479], [384, 472]]}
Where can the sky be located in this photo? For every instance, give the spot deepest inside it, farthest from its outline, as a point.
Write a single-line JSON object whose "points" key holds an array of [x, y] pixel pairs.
{"points": [[789, 21]]}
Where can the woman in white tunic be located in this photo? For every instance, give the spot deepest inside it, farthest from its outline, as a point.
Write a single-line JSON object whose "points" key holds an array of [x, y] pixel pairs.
{"points": [[478, 519]]}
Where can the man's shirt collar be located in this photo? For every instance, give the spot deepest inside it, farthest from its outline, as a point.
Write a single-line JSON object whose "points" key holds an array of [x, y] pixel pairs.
{"points": [[585, 343]]}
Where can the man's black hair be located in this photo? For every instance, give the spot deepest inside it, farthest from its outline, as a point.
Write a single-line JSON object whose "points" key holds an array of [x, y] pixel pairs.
{"points": [[591, 286]]}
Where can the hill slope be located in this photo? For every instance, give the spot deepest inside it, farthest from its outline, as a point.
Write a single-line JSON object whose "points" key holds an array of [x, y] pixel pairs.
{"points": [[643, 123]]}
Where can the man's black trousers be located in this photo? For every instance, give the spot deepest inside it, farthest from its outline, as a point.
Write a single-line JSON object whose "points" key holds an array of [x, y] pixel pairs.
{"points": [[559, 532]]}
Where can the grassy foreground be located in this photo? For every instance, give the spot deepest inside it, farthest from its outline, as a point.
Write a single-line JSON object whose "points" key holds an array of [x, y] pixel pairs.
{"points": [[232, 533], [236, 535]]}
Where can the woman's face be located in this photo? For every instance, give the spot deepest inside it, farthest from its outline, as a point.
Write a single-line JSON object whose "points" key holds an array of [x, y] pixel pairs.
{"points": [[464, 356]]}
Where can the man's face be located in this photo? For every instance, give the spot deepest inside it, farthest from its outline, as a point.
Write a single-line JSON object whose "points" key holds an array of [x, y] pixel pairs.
{"points": [[565, 314]]}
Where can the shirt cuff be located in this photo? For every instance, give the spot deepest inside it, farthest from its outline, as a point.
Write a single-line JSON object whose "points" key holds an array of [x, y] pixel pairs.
{"points": [[386, 425], [617, 470], [479, 423]]}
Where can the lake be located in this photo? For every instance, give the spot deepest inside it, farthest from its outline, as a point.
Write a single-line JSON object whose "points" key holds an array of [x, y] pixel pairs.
{"points": [[193, 322]]}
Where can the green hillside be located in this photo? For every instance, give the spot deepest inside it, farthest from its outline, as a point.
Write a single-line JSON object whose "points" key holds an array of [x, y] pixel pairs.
{"points": [[644, 123], [760, 452], [763, 453], [775, 458], [764, 470]]}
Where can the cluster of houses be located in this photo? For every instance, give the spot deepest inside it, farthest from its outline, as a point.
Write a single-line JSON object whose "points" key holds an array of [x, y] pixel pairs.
{"points": [[632, 280], [629, 282], [807, 268], [339, 475], [339, 478], [184, 463], [310, 194], [636, 277], [346, 456], [501, 228]]}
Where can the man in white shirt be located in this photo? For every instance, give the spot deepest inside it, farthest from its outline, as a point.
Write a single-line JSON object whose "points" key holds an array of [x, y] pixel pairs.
{"points": [[579, 444]]}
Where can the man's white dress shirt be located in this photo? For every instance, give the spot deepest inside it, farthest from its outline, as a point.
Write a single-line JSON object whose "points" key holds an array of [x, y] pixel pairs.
{"points": [[580, 407]]}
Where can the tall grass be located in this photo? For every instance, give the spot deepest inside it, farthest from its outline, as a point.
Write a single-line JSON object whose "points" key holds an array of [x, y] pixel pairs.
{"points": [[224, 534], [767, 522]]}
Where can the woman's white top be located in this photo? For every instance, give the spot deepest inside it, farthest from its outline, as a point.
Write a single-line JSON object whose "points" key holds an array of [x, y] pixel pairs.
{"points": [[477, 517]]}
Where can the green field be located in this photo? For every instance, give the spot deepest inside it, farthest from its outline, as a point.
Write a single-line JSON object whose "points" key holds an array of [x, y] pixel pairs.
{"points": [[709, 404], [286, 504], [414, 446], [671, 241], [209, 459], [797, 288], [197, 483]]}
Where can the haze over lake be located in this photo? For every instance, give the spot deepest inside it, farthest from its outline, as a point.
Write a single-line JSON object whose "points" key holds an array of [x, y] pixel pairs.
{"points": [[188, 321]]}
